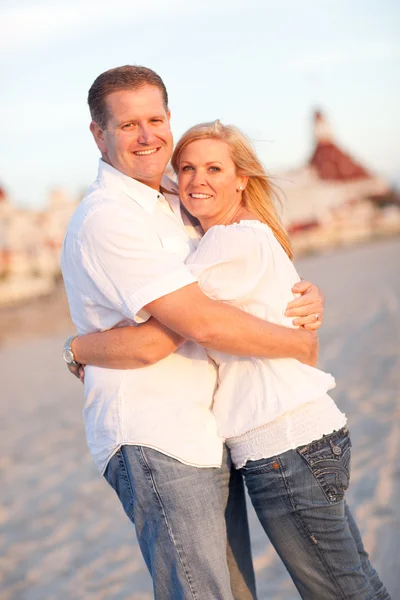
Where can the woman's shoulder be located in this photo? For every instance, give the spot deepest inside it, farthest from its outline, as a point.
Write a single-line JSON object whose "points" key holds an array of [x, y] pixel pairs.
{"points": [[244, 242], [230, 243], [250, 232], [243, 227], [248, 240]]}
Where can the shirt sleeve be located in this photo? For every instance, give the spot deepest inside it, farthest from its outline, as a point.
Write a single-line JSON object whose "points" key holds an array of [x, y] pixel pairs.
{"points": [[229, 262], [126, 262]]}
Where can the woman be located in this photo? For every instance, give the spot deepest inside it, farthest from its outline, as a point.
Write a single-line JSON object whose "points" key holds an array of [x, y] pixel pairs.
{"points": [[284, 432]]}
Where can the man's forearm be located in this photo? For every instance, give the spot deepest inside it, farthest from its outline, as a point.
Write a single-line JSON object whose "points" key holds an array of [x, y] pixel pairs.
{"points": [[126, 347], [256, 337], [233, 334]]}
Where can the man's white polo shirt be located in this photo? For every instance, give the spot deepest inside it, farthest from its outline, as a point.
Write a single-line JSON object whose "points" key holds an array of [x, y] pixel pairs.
{"points": [[125, 246]]}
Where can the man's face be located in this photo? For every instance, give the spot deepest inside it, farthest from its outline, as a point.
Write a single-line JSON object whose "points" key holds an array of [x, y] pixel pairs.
{"points": [[137, 139]]}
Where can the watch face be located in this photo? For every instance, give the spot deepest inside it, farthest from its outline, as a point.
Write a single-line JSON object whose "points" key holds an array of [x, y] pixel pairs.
{"points": [[68, 356]]}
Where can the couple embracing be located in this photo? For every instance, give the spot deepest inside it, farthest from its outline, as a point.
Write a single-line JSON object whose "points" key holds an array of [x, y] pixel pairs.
{"points": [[200, 344]]}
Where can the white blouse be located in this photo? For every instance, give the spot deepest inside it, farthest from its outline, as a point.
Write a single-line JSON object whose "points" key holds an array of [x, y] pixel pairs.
{"points": [[244, 265]]}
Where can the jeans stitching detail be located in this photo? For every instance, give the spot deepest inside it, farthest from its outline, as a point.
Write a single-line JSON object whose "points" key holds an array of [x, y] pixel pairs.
{"points": [[124, 470], [170, 533], [338, 465], [330, 437], [309, 534]]}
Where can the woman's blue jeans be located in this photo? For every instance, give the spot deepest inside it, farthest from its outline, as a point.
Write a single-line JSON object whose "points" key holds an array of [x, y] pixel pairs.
{"points": [[299, 499]]}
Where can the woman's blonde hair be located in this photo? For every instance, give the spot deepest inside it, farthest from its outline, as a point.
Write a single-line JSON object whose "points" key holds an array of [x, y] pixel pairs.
{"points": [[259, 195]]}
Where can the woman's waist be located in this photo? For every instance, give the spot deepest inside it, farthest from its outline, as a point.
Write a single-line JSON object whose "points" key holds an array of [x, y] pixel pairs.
{"points": [[252, 393], [294, 428], [306, 416]]}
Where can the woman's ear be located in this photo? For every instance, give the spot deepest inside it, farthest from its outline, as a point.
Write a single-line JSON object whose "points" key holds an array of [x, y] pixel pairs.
{"points": [[241, 183]]}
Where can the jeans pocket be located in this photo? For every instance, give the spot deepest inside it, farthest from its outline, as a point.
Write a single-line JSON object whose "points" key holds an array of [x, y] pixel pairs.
{"points": [[260, 466], [329, 462], [117, 476]]}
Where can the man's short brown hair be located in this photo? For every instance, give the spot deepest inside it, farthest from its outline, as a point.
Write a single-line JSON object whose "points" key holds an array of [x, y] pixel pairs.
{"points": [[128, 77]]}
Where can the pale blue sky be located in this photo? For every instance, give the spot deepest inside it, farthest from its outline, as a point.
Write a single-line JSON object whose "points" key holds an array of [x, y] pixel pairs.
{"points": [[260, 64]]}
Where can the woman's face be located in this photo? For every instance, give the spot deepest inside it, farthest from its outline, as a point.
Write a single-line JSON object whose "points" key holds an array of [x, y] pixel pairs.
{"points": [[208, 183]]}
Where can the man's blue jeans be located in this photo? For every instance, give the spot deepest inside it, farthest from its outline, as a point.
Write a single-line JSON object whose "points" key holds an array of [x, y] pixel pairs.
{"points": [[299, 499], [191, 524]]}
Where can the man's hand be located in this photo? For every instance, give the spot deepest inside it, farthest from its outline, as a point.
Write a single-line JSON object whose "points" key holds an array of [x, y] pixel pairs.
{"points": [[77, 370], [307, 310]]}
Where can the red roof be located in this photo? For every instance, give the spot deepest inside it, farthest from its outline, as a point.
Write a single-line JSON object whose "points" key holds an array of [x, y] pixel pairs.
{"points": [[330, 162]]}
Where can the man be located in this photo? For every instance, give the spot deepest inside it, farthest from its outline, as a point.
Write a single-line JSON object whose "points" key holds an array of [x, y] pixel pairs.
{"points": [[151, 431]]}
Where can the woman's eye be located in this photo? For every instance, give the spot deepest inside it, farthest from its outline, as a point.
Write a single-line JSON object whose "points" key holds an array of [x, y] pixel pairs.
{"points": [[186, 168], [215, 169]]}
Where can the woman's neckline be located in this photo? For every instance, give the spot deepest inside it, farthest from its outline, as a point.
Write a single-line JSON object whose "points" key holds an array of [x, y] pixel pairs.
{"points": [[241, 222]]}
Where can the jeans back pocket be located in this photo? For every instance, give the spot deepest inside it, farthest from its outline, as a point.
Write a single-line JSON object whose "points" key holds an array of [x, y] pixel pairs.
{"points": [[329, 461]]}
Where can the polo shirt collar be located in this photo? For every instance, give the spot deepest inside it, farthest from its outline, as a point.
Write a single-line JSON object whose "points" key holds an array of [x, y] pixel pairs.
{"points": [[144, 195]]}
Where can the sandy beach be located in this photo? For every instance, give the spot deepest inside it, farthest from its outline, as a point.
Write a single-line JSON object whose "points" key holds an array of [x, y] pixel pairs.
{"points": [[63, 533]]}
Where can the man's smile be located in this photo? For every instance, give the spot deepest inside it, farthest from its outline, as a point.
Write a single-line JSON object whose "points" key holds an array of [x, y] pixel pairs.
{"points": [[145, 152]]}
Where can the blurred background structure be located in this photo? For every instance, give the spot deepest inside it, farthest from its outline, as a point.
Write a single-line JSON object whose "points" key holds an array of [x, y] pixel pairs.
{"points": [[316, 86], [329, 201]]}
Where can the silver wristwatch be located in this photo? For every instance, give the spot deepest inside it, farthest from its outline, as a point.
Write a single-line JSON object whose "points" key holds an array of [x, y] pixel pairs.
{"points": [[67, 353]]}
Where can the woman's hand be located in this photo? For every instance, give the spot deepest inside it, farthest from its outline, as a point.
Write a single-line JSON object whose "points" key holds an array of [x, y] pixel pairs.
{"points": [[307, 310]]}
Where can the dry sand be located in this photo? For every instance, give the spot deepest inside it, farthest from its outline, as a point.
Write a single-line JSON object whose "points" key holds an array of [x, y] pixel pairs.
{"points": [[63, 534]]}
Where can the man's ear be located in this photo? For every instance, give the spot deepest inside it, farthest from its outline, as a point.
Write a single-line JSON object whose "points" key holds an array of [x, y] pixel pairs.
{"points": [[98, 135]]}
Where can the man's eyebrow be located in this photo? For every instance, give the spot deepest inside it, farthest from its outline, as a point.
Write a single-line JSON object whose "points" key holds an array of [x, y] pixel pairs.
{"points": [[134, 120]]}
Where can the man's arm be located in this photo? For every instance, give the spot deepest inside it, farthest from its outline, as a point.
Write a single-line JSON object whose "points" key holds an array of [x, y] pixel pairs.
{"points": [[190, 313], [126, 347]]}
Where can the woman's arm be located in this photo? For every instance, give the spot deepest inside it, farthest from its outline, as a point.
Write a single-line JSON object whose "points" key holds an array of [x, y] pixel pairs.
{"points": [[126, 347]]}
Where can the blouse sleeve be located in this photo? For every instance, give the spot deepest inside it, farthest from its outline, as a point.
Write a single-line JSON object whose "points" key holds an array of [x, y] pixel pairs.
{"points": [[229, 262]]}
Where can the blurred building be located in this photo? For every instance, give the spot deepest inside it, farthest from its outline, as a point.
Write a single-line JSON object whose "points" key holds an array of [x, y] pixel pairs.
{"points": [[333, 199], [30, 245]]}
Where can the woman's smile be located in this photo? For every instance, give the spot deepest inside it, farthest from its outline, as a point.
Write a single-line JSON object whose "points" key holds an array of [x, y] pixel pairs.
{"points": [[200, 196]]}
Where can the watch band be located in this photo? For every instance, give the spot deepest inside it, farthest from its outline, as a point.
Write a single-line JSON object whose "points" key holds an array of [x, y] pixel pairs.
{"points": [[67, 352]]}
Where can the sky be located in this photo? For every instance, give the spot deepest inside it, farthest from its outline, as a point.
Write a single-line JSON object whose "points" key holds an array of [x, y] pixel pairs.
{"points": [[262, 65]]}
